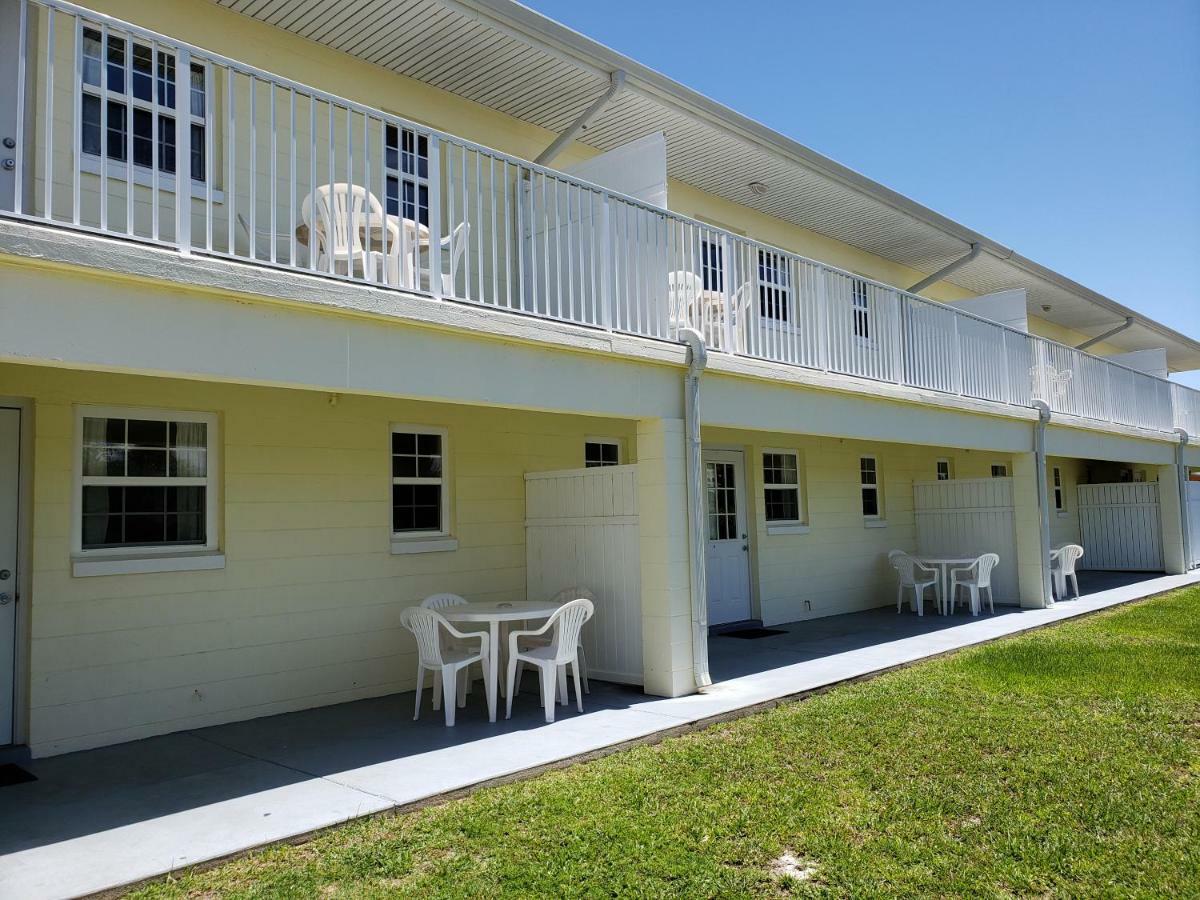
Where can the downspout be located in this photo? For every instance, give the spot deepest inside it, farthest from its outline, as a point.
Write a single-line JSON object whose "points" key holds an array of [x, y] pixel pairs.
{"points": [[697, 578], [1039, 461], [1091, 342], [1181, 471], [946, 270], [616, 84]]}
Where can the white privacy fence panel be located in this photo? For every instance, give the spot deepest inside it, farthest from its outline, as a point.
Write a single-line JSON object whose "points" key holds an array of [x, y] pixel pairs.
{"points": [[967, 518], [137, 135], [1193, 514], [581, 530], [1120, 527]]}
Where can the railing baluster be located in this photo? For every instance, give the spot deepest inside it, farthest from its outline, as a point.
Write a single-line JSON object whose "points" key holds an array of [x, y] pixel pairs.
{"points": [[435, 224], [48, 162], [18, 162]]}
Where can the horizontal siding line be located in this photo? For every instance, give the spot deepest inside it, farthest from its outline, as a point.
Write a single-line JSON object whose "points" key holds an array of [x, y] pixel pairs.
{"points": [[293, 670], [223, 714]]}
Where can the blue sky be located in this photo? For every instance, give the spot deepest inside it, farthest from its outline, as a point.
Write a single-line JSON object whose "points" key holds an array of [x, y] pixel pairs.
{"points": [[1068, 130]]}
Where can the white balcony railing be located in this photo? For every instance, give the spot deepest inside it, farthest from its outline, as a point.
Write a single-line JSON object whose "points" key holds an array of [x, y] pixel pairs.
{"points": [[289, 176]]}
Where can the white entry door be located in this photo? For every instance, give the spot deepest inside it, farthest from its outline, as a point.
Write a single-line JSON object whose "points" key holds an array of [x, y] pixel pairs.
{"points": [[10, 444], [727, 559]]}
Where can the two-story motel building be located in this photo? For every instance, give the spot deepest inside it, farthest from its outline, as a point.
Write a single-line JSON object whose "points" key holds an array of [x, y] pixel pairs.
{"points": [[447, 294]]}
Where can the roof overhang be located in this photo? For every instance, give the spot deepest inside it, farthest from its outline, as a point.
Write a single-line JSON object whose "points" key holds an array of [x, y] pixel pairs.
{"points": [[512, 59]]}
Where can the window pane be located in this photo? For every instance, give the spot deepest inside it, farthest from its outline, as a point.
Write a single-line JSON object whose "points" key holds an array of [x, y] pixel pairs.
{"points": [[90, 125], [116, 64], [116, 130], [103, 500], [143, 73], [145, 529], [166, 80], [782, 505], [147, 463], [198, 150], [91, 57], [147, 433], [166, 144], [429, 444], [870, 502], [403, 442], [392, 145], [197, 91], [145, 499], [143, 138]]}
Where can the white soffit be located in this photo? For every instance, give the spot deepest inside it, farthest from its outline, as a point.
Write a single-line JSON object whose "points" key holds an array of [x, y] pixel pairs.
{"points": [[509, 58]]}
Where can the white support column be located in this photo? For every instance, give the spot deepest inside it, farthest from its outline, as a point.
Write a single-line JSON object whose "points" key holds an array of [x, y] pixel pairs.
{"points": [[1032, 564], [1170, 509], [666, 589]]}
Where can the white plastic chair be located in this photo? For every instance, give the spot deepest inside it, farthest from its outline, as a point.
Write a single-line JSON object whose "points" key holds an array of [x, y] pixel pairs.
{"points": [[449, 665], [336, 215], [976, 578], [683, 299], [1062, 565], [446, 601], [563, 650], [564, 596], [915, 575]]}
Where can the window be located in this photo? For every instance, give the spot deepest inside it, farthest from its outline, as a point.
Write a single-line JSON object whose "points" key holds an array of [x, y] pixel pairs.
{"points": [[943, 470], [601, 452], [774, 286], [781, 487], [999, 470], [129, 105], [407, 164], [712, 264], [418, 481], [1059, 503], [868, 470], [146, 481], [860, 299]]}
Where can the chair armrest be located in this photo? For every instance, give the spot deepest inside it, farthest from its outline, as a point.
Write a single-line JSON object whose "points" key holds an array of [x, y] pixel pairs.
{"points": [[922, 569], [965, 570], [463, 635], [533, 632]]}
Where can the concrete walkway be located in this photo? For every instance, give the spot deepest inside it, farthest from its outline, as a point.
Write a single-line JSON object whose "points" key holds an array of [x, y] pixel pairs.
{"points": [[108, 817]]}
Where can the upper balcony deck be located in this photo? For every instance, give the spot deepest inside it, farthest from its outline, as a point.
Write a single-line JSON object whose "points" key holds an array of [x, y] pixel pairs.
{"points": [[285, 175]]}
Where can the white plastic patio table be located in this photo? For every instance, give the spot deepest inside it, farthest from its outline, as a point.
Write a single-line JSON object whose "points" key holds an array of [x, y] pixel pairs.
{"points": [[493, 614], [945, 564]]}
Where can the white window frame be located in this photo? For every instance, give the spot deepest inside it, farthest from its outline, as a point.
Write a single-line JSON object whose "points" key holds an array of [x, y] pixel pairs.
{"points": [[419, 537], [949, 464], [781, 526], [607, 441], [144, 175], [877, 487], [1004, 470], [1060, 497], [133, 553]]}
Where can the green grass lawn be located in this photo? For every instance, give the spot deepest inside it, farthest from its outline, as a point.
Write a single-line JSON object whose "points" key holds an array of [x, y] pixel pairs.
{"points": [[1064, 762]]}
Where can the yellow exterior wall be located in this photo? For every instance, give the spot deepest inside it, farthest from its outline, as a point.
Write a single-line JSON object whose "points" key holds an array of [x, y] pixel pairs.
{"points": [[840, 565], [305, 611]]}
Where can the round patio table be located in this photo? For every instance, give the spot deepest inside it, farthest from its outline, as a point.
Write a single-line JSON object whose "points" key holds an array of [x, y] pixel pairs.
{"points": [[944, 564], [493, 613]]}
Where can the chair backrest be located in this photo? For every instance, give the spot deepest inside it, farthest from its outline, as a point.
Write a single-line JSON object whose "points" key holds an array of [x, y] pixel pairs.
{"points": [[334, 213], [573, 593], [426, 626], [568, 621], [983, 568], [454, 244], [442, 601], [683, 297], [1069, 555], [904, 564]]}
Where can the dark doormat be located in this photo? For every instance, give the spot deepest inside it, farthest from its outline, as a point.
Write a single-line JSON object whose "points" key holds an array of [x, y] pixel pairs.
{"points": [[13, 774], [750, 634]]}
